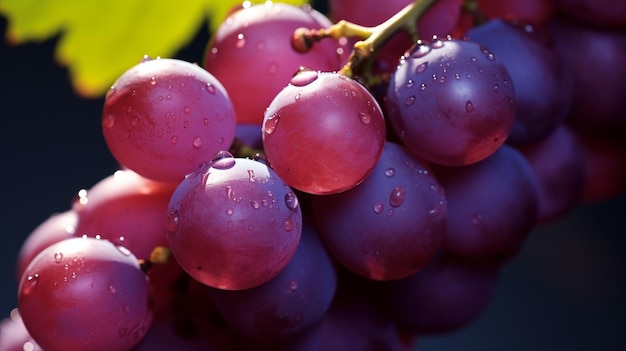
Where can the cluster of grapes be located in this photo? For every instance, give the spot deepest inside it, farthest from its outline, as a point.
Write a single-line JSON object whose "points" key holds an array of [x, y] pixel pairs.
{"points": [[323, 184]]}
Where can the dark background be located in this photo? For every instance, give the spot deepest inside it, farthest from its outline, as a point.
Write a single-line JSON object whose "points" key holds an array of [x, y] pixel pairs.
{"points": [[565, 290]]}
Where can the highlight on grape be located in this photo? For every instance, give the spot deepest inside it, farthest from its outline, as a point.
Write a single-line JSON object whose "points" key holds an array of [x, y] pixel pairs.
{"points": [[344, 180]]}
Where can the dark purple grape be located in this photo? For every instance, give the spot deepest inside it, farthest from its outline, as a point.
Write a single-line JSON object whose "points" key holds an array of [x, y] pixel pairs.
{"points": [[558, 162], [448, 294], [389, 226], [492, 205], [543, 83], [233, 224], [85, 294], [288, 304], [596, 58], [598, 13], [451, 102]]}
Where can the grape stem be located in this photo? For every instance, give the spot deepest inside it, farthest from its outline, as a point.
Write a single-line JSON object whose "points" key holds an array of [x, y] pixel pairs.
{"points": [[372, 38]]}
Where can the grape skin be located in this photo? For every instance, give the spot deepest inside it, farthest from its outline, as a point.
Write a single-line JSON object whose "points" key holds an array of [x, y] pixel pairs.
{"points": [[94, 295], [333, 123], [164, 117], [233, 224], [451, 102]]}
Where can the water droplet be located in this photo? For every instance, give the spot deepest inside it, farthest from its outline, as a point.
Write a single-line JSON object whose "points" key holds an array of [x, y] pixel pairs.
{"points": [[421, 67], [496, 87], [168, 96], [379, 207], [260, 45], [390, 172], [172, 221], [410, 83], [58, 257], [422, 86], [304, 77], [112, 289], [255, 204], [437, 43], [210, 88], [197, 142], [293, 285], [109, 120], [291, 201], [153, 81], [288, 224], [409, 100], [477, 219], [134, 121], [122, 249], [270, 124], [469, 107], [297, 97], [186, 110], [229, 211], [272, 68], [173, 140], [420, 51], [30, 285], [251, 176], [365, 118], [129, 108], [491, 57], [241, 41], [397, 196]]}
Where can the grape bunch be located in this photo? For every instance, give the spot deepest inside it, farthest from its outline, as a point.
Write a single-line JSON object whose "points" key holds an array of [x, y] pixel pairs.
{"points": [[351, 180]]}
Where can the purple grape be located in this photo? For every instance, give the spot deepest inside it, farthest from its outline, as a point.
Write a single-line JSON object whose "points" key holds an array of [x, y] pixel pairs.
{"points": [[389, 226], [543, 84], [85, 294], [451, 102], [445, 296], [233, 224], [558, 162], [492, 205], [288, 304]]}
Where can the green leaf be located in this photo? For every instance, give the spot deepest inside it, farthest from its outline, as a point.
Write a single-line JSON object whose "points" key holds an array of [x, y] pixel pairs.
{"points": [[100, 39]]}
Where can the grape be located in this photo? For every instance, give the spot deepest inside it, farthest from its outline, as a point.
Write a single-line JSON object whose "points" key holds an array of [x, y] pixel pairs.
{"points": [[543, 84], [389, 226], [93, 293], [288, 304], [332, 122], [535, 11], [439, 20], [559, 164], [164, 117], [233, 224], [492, 205], [451, 102], [598, 13], [55, 228], [251, 54], [596, 58], [446, 295], [14, 336]]}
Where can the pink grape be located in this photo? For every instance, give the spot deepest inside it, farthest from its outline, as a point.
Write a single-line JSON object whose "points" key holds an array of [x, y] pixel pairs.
{"points": [[85, 294], [163, 117], [233, 224], [323, 133], [55, 228], [451, 102], [251, 54]]}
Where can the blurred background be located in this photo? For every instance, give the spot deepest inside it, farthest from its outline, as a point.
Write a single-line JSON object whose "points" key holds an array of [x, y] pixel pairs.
{"points": [[566, 289]]}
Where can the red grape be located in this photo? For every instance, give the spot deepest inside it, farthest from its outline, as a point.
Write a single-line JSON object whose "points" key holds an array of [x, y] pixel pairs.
{"points": [[164, 117], [85, 294], [233, 224], [251, 54], [330, 122]]}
